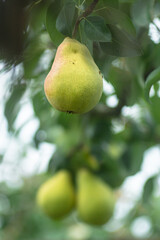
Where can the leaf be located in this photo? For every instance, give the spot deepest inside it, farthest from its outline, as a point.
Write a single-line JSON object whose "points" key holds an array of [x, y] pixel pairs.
{"points": [[126, 1], [96, 29], [121, 81], [65, 19], [125, 85], [137, 152], [154, 107], [133, 156], [32, 55], [111, 170], [50, 22], [12, 105], [1, 158], [153, 77], [111, 3], [37, 16], [57, 161], [141, 12], [116, 17], [42, 110], [102, 3], [122, 45], [83, 37], [103, 60], [148, 189]]}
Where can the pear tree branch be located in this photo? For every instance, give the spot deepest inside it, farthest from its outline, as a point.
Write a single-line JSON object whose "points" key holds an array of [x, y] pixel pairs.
{"points": [[87, 12]]}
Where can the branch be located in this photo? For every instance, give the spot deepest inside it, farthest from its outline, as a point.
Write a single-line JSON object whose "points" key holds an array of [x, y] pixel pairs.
{"points": [[87, 12]]}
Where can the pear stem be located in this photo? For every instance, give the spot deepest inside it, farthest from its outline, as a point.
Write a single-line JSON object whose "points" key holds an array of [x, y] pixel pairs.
{"points": [[87, 12]]}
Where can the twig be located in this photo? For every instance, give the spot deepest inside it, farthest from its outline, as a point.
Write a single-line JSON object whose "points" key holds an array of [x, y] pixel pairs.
{"points": [[87, 12]]}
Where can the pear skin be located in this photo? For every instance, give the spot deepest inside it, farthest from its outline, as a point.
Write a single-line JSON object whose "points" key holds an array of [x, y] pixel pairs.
{"points": [[95, 199], [56, 197], [74, 83]]}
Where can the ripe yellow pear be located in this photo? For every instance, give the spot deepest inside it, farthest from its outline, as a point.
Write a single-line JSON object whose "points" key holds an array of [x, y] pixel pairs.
{"points": [[95, 199], [74, 83], [56, 196]]}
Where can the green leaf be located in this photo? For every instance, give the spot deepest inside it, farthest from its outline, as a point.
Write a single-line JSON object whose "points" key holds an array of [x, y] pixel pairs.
{"points": [[65, 19], [137, 152], [83, 37], [37, 16], [12, 105], [110, 3], [102, 60], [151, 79], [156, 9], [51, 16], [121, 81], [126, 1], [57, 161], [43, 111], [141, 12], [154, 107], [125, 84], [148, 189], [102, 3], [122, 45], [32, 55], [1, 158], [118, 18], [111, 170], [133, 156], [96, 29]]}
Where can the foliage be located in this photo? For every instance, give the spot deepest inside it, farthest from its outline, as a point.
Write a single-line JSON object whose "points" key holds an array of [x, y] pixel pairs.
{"points": [[117, 34]]}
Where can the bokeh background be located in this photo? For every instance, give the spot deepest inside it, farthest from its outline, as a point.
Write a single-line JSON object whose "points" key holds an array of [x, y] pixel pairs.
{"points": [[121, 135]]}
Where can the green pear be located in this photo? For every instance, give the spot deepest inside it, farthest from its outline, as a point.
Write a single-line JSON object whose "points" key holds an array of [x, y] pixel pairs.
{"points": [[74, 83], [95, 199], [56, 196]]}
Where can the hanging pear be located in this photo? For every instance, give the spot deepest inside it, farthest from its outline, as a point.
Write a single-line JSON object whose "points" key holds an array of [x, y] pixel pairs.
{"points": [[56, 196], [95, 199], [74, 83]]}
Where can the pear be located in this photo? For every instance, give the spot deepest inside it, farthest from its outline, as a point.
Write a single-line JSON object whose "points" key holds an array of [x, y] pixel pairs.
{"points": [[56, 196], [74, 83], [95, 199]]}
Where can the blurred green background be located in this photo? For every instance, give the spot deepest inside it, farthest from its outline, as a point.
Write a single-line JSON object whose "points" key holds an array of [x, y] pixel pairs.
{"points": [[119, 139]]}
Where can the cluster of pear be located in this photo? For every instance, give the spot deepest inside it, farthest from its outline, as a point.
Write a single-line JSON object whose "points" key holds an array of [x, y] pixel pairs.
{"points": [[74, 83], [93, 198]]}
